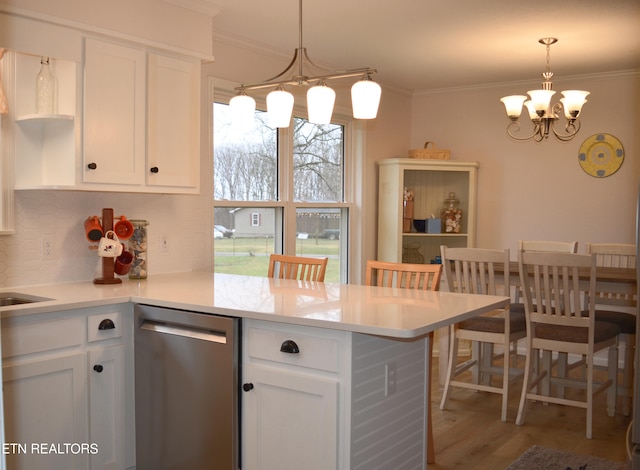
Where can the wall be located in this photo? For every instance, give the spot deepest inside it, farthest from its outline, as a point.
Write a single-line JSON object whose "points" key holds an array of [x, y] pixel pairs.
{"points": [[538, 190]]}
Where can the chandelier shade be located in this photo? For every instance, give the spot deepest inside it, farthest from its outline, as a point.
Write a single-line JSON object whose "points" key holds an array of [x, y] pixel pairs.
{"points": [[365, 98], [542, 113], [242, 109], [279, 107], [321, 100]]}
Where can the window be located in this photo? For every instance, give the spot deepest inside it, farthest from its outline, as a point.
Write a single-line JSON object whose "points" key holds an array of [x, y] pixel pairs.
{"points": [[279, 191]]}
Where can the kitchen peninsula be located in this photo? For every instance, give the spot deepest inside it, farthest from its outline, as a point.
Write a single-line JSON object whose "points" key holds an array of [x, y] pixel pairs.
{"points": [[363, 357]]}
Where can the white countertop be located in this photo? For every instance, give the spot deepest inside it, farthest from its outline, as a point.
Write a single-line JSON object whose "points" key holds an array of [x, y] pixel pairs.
{"points": [[400, 313]]}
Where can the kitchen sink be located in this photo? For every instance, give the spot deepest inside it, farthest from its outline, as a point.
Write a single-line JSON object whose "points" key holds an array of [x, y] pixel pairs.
{"points": [[12, 298]]}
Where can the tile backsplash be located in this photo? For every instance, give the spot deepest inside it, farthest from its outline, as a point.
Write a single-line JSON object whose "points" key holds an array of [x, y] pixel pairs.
{"points": [[185, 221]]}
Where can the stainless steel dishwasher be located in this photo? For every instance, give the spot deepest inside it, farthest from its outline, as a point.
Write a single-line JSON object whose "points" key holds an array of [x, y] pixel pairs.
{"points": [[186, 369]]}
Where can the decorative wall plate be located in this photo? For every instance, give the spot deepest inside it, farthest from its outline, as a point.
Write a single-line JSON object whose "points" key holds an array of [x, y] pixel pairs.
{"points": [[601, 155]]}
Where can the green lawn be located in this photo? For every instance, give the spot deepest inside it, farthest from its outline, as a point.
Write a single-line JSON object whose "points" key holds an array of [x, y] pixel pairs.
{"points": [[250, 256]]}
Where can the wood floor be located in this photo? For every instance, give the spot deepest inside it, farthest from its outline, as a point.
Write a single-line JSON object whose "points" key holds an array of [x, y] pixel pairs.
{"points": [[470, 435]]}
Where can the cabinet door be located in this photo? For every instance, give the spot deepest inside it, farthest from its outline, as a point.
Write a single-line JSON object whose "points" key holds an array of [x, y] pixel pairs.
{"points": [[114, 114], [107, 407], [45, 406], [174, 122], [289, 420]]}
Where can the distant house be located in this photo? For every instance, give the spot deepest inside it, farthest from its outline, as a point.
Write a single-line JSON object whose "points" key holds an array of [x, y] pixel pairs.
{"points": [[254, 222], [259, 221]]}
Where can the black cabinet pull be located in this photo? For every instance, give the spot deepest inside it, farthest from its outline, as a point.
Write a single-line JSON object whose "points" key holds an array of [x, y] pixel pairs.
{"points": [[98, 368], [289, 346], [154, 169], [247, 387], [92, 166], [106, 324]]}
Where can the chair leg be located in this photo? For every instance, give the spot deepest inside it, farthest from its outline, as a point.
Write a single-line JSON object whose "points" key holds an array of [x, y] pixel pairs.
{"points": [[613, 376], [451, 367], [505, 379], [528, 370], [627, 372], [590, 396], [476, 355]]}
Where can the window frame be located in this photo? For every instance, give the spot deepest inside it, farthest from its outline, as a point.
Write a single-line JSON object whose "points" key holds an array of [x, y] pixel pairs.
{"points": [[285, 207]]}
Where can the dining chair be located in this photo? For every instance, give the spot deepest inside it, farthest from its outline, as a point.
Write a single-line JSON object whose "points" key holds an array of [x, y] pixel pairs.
{"points": [[409, 276], [556, 322], [297, 267], [545, 246], [617, 303], [483, 272]]}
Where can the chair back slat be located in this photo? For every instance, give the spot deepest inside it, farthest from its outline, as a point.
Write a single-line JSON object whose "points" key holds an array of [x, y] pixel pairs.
{"points": [[297, 267], [476, 270], [552, 287], [403, 275], [615, 255]]}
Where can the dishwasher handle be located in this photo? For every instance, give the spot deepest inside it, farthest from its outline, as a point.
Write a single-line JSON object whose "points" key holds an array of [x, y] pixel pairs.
{"points": [[185, 331]]}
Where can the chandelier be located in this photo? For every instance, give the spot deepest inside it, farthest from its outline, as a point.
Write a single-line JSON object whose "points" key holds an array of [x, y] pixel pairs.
{"points": [[365, 93], [542, 113]]}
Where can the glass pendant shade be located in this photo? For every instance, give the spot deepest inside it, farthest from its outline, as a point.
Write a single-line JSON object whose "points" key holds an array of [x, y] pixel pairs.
{"points": [[532, 110], [541, 99], [365, 99], [513, 105], [320, 100], [242, 109], [573, 101], [279, 107]]}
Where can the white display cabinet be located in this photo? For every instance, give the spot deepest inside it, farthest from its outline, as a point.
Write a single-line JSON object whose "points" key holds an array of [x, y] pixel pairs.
{"points": [[430, 182]]}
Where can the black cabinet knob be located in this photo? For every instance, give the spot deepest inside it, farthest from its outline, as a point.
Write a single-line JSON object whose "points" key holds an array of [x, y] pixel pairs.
{"points": [[154, 169], [106, 324], [98, 368], [92, 166], [289, 346], [247, 387]]}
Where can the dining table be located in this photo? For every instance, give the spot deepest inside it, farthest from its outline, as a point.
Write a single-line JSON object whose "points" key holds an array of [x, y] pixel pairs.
{"points": [[622, 281]]}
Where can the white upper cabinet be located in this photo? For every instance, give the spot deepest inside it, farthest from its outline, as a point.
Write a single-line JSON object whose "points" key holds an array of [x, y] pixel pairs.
{"points": [[141, 120], [127, 119], [173, 132], [114, 118]]}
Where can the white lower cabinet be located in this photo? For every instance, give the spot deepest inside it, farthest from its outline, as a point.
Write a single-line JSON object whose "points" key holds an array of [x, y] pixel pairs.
{"points": [[45, 407], [68, 402], [333, 404]]}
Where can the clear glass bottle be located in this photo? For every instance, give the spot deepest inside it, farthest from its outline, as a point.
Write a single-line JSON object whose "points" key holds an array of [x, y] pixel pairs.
{"points": [[138, 247], [451, 215], [45, 89]]}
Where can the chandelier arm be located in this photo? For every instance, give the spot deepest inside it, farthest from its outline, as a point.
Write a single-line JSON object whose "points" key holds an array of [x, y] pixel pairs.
{"points": [[571, 128], [515, 125], [295, 81]]}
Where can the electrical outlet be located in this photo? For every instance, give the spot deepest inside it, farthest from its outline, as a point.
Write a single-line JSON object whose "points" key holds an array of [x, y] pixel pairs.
{"points": [[47, 247], [164, 243], [389, 378]]}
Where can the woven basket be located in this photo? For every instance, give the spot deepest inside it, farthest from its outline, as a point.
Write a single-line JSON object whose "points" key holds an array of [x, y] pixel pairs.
{"points": [[430, 153]]}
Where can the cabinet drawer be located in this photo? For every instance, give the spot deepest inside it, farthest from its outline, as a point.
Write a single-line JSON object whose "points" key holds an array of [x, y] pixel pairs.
{"points": [[27, 337], [104, 326], [318, 350]]}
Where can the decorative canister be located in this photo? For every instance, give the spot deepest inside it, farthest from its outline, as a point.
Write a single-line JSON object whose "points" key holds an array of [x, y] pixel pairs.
{"points": [[451, 215], [138, 246]]}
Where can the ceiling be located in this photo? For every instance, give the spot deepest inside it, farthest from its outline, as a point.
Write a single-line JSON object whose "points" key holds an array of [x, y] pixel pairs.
{"points": [[421, 45]]}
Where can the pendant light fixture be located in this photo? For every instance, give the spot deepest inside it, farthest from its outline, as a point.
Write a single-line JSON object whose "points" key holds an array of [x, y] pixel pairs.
{"points": [[365, 94], [542, 113]]}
